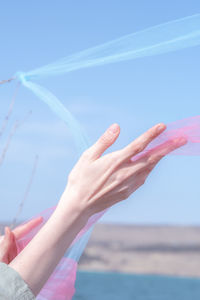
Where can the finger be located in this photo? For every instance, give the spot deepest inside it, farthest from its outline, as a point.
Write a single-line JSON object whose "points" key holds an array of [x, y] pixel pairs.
{"points": [[157, 153], [22, 230], [12, 253], [153, 156], [7, 236], [147, 160], [104, 142], [142, 142], [6, 244]]}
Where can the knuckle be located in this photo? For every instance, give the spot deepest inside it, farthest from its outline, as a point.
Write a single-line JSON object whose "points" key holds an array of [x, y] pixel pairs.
{"points": [[125, 194], [138, 148], [116, 155], [117, 158], [86, 154], [120, 178], [148, 169], [152, 159], [143, 181]]}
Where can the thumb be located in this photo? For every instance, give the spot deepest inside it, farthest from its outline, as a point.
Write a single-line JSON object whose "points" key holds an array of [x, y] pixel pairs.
{"points": [[13, 248], [6, 244], [105, 141], [7, 238]]}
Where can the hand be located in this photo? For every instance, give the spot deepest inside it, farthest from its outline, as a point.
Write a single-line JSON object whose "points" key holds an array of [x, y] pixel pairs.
{"points": [[8, 246], [98, 182], [95, 183]]}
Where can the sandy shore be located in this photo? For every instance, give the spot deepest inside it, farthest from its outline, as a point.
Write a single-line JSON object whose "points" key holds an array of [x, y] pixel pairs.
{"points": [[144, 249]]}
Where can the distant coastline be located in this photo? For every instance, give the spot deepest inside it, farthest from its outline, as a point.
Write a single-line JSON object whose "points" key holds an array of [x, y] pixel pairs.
{"points": [[167, 250], [142, 249]]}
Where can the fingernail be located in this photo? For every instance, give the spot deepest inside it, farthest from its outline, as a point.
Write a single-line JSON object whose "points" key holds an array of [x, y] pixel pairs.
{"points": [[114, 128], [161, 127]]}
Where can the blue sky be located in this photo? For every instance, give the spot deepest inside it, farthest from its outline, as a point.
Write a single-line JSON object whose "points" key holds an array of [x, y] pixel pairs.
{"points": [[136, 94]]}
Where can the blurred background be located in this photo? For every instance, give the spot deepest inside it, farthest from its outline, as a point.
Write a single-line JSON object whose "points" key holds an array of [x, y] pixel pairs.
{"points": [[156, 231]]}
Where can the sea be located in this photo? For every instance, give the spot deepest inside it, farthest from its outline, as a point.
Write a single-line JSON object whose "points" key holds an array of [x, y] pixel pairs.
{"points": [[118, 286]]}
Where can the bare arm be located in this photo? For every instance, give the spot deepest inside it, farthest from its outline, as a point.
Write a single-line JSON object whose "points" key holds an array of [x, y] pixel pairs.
{"points": [[95, 183]]}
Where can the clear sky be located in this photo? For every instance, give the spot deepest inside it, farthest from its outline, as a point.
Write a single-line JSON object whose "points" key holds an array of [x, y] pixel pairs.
{"points": [[136, 94]]}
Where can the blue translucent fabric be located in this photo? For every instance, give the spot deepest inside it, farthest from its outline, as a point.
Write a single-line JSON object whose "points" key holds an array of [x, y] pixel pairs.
{"points": [[171, 36]]}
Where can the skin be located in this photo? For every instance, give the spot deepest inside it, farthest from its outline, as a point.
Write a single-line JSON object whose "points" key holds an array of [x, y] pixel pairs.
{"points": [[8, 246], [96, 182]]}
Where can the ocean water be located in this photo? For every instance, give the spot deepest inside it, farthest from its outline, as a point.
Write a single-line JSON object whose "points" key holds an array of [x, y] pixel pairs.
{"points": [[118, 286]]}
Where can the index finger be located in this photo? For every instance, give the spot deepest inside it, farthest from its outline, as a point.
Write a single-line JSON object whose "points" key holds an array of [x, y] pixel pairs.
{"points": [[22, 230]]}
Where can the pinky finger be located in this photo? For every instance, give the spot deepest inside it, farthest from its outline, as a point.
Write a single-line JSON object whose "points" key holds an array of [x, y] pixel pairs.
{"points": [[157, 153]]}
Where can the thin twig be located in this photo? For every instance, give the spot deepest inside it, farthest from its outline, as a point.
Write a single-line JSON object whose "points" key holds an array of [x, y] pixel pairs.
{"points": [[27, 191], [7, 117], [5, 149], [13, 130], [6, 80]]}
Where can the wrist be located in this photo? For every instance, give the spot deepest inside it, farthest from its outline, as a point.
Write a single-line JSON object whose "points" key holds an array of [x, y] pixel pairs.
{"points": [[70, 207]]}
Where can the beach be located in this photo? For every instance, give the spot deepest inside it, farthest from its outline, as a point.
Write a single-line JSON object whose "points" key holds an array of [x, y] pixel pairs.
{"points": [[166, 250]]}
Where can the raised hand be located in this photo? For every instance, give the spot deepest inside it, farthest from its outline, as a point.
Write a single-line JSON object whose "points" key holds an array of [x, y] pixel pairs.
{"points": [[98, 181]]}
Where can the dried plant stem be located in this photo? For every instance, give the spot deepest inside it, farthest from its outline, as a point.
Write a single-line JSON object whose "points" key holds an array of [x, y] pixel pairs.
{"points": [[12, 132], [27, 191], [5, 149], [6, 80], [7, 117]]}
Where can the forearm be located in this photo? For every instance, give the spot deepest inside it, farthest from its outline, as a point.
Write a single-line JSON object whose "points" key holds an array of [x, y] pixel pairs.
{"points": [[95, 183], [40, 257]]}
